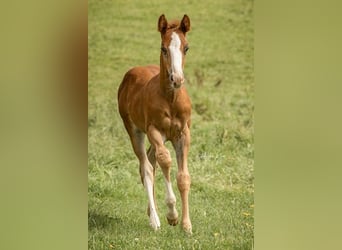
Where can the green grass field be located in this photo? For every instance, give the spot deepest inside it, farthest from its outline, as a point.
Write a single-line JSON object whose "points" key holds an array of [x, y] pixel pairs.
{"points": [[219, 73]]}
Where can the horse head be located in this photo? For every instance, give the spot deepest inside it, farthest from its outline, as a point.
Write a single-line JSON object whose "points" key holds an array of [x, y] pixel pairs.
{"points": [[174, 47]]}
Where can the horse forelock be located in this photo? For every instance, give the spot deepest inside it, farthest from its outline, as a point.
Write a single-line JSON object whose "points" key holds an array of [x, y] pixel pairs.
{"points": [[173, 24]]}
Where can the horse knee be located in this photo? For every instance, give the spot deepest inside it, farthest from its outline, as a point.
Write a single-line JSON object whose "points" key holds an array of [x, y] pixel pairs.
{"points": [[163, 157], [183, 181]]}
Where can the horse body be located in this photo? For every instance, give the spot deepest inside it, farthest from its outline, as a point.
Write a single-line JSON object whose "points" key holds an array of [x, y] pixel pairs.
{"points": [[153, 101], [130, 94]]}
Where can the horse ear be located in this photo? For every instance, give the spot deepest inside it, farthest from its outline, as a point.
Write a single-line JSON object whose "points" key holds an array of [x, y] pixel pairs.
{"points": [[162, 24], [185, 24]]}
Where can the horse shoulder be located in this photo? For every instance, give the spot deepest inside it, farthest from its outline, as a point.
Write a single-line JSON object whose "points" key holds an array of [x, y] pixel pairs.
{"points": [[156, 108], [130, 94]]}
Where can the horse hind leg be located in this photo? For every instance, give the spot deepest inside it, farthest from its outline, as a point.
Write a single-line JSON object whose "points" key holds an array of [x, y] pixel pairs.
{"points": [[147, 174], [152, 159]]}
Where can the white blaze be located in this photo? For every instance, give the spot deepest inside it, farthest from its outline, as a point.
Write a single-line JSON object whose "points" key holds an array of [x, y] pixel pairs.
{"points": [[176, 57]]}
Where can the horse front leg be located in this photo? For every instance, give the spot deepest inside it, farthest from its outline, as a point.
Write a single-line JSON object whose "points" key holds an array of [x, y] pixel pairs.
{"points": [[162, 156], [181, 146]]}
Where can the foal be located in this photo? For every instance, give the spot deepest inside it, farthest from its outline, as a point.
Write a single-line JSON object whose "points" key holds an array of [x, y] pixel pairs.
{"points": [[153, 101]]}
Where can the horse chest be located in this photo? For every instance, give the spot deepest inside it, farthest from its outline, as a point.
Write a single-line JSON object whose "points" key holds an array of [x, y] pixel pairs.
{"points": [[173, 126], [170, 118]]}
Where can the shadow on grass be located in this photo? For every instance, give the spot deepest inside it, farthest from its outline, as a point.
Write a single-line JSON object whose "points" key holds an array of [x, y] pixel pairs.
{"points": [[103, 221]]}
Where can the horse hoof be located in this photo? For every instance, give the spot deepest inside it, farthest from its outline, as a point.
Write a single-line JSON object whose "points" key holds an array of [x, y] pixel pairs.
{"points": [[187, 228], [154, 220], [155, 227], [172, 222], [155, 223]]}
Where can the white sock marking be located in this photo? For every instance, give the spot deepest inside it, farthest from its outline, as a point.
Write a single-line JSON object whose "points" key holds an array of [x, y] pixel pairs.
{"points": [[170, 200], [154, 219], [170, 195]]}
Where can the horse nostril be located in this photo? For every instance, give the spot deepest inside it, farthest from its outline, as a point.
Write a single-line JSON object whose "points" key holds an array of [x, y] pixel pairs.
{"points": [[171, 78]]}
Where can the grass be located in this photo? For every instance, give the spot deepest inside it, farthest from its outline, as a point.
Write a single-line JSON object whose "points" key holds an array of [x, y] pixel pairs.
{"points": [[219, 73]]}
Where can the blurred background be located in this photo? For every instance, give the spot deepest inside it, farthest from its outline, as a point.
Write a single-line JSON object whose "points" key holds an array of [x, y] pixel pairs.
{"points": [[43, 145], [43, 96]]}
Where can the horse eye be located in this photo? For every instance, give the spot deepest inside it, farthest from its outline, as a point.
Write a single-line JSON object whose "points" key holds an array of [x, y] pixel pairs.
{"points": [[164, 50], [186, 48]]}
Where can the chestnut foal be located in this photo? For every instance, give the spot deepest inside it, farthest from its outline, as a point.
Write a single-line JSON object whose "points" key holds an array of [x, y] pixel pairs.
{"points": [[152, 100]]}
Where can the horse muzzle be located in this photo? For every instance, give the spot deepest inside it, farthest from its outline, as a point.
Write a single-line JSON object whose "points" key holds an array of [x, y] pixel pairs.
{"points": [[176, 80]]}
